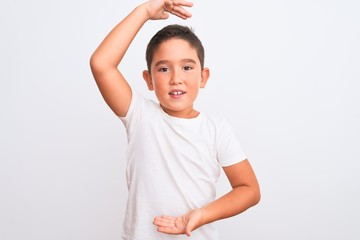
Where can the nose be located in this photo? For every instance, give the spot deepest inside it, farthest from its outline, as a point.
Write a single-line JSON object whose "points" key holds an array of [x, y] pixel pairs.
{"points": [[176, 77]]}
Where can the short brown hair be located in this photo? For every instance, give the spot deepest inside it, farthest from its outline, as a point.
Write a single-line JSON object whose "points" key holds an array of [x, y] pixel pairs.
{"points": [[170, 32]]}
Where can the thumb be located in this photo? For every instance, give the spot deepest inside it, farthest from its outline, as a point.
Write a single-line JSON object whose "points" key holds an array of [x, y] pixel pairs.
{"points": [[189, 228], [188, 231], [165, 15]]}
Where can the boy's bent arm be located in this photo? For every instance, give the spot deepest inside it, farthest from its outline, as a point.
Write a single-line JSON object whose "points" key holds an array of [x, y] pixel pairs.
{"points": [[105, 60], [245, 193]]}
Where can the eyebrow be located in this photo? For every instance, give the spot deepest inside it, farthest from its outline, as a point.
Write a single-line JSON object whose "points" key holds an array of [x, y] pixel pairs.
{"points": [[186, 60]]}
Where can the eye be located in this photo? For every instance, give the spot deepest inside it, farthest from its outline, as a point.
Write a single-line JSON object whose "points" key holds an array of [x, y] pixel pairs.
{"points": [[164, 69], [187, 68]]}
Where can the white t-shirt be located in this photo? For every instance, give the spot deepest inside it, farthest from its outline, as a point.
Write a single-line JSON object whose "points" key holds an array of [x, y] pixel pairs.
{"points": [[173, 165]]}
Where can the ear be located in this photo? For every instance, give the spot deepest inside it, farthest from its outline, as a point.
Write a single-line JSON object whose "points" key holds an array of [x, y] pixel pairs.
{"points": [[205, 74], [148, 80]]}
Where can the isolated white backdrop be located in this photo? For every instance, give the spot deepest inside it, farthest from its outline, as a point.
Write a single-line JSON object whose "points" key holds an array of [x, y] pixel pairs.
{"points": [[285, 73]]}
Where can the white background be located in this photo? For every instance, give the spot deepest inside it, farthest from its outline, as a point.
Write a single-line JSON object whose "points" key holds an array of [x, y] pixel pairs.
{"points": [[285, 73]]}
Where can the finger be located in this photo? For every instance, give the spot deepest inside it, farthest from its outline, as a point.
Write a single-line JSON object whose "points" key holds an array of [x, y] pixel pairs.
{"points": [[169, 4], [176, 7], [169, 230], [182, 3], [168, 218], [164, 221], [181, 12], [161, 223]]}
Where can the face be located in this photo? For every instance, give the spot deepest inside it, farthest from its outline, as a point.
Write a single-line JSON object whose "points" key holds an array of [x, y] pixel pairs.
{"points": [[176, 77]]}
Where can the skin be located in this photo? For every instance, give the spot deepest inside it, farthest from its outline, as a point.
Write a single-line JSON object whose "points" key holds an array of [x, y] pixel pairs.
{"points": [[176, 68], [173, 69]]}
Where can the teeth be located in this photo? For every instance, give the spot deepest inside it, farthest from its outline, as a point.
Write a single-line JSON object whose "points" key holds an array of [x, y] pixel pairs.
{"points": [[176, 93]]}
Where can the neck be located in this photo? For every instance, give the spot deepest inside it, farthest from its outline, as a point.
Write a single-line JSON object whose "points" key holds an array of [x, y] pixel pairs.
{"points": [[191, 113]]}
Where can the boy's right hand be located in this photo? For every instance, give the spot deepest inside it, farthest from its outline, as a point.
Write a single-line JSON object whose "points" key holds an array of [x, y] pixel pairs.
{"points": [[160, 9], [184, 224]]}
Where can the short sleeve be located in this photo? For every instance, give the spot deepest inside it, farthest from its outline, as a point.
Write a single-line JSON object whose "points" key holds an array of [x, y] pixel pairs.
{"points": [[134, 113], [134, 100], [229, 149]]}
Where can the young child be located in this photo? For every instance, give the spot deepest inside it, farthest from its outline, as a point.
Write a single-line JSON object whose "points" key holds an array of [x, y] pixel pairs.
{"points": [[175, 153]]}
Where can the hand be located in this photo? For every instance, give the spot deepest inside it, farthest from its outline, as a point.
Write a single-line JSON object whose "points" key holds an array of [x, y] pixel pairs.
{"points": [[179, 225], [160, 9]]}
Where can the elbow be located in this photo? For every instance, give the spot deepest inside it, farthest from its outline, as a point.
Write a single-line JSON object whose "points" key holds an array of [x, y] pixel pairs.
{"points": [[95, 63], [249, 195], [256, 196], [100, 65]]}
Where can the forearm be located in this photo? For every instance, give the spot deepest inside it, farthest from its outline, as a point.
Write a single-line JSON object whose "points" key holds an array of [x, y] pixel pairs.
{"points": [[231, 204], [235, 202], [114, 46]]}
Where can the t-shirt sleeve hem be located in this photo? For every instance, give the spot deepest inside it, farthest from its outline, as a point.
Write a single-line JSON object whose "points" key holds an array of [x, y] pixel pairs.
{"points": [[233, 161], [134, 97]]}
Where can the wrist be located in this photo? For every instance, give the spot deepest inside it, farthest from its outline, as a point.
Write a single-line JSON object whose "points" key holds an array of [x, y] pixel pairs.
{"points": [[143, 8], [204, 213]]}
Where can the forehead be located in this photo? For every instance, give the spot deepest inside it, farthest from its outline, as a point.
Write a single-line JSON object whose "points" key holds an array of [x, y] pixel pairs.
{"points": [[175, 48]]}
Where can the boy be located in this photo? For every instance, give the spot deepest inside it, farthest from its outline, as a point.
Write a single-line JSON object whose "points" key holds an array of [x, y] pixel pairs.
{"points": [[175, 153]]}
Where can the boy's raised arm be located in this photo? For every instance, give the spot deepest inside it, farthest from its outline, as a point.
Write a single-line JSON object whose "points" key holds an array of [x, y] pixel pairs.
{"points": [[106, 58]]}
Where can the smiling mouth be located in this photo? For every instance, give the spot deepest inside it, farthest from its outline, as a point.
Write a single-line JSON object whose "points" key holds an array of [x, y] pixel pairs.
{"points": [[176, 93]]}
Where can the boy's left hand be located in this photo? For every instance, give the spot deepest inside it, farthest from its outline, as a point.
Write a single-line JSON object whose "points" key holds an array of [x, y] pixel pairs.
{"points": [[179, 225], [160, 9]]}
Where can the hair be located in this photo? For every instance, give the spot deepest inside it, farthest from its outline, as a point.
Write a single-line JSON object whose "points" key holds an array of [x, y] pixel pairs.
{"points": [[178, 32]]}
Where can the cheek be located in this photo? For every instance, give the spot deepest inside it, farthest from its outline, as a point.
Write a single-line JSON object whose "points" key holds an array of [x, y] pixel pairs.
{"points": [[196, 83], [159, 85]]}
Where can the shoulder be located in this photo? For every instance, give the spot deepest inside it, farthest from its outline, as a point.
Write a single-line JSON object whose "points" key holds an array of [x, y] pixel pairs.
{"points": [[221, 127], [217, 121], [139, 99], [140, 107], [140, 103]]}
